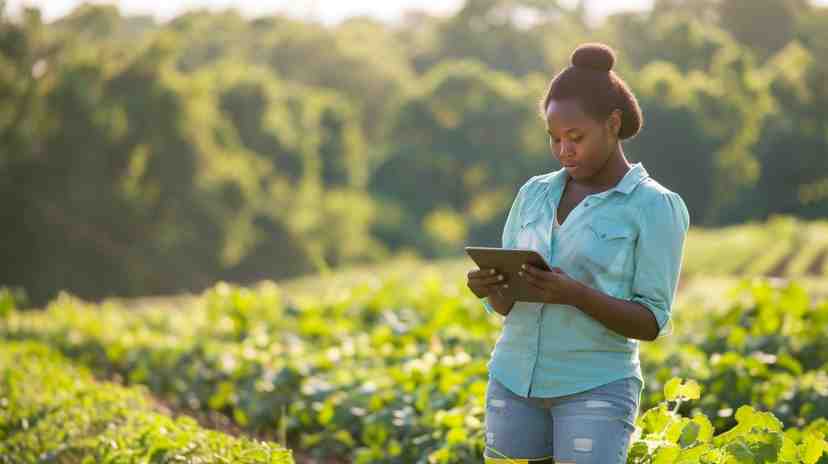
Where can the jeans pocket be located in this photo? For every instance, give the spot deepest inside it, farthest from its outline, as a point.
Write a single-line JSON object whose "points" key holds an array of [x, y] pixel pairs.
{"points": [[496, 397], [623, 394]]}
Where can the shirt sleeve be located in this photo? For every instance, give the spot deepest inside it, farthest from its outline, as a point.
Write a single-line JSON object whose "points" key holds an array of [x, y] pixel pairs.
{"points": [[508, 234], [658, 257]]}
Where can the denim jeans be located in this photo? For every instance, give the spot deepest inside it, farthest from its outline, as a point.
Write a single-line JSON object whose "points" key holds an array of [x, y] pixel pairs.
{"points": [[593, 426]]}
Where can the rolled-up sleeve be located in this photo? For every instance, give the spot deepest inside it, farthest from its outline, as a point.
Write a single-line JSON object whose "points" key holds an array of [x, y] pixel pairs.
{"points": [[508, 234], [658, 256], [488, 305]]}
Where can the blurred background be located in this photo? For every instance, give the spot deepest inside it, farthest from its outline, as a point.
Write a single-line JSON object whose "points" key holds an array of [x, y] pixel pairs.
{"points": [[156, 147]]}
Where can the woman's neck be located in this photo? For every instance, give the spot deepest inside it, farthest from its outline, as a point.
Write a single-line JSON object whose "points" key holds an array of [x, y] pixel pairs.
{"points": [[610, 174]]}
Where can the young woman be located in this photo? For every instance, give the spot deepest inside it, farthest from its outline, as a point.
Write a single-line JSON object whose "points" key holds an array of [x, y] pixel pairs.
{"points": [[564, 377]]}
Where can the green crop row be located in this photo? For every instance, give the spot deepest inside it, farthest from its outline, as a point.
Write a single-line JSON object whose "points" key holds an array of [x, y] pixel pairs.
{"points": [[41, 394], [768, 347], [782, 246], [361, 374], [51, 411], [385, 371]]}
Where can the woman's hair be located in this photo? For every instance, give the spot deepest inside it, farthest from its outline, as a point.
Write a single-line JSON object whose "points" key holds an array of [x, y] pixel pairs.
{"points": [[591, 81]]}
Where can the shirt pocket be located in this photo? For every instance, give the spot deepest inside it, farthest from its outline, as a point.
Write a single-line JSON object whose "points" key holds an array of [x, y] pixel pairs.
{"points": [[610, 244], [528, 235]]}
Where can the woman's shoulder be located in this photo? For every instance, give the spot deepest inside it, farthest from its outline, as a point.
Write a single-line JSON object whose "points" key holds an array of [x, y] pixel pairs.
{"points": [[535, 188], [655, 199], [542, 180], [651, 190]]}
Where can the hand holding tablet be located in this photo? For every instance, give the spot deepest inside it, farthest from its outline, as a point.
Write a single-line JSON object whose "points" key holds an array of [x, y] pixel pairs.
{"points": [[508, 262]]}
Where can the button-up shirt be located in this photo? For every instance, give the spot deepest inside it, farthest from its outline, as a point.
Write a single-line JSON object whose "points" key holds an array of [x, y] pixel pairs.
{"points": [[627, 242]]}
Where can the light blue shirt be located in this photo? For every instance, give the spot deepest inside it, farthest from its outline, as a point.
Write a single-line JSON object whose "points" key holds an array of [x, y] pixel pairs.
{"points": [[627, 242]]}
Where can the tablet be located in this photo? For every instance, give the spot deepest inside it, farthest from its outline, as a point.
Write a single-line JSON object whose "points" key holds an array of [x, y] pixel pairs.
{"points": [[507, 261]]}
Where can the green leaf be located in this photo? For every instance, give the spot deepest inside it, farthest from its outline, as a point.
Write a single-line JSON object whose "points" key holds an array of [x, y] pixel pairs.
{"points": [[739, 450], [705, 433], [812, 447], [693, 455], [638, 451], [345, 437], [655, 420], [788, 452], [667, 455], [326, 413], [674, 429], [675, 390], [750, 418], [456, 435], [689, 435]]}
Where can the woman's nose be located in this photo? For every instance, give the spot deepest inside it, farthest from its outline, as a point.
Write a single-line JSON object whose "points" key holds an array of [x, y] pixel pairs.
{"points": [[567, 149]]}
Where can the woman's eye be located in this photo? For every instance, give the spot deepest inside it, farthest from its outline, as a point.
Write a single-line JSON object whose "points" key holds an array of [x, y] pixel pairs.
{"points": [[574, 139]]}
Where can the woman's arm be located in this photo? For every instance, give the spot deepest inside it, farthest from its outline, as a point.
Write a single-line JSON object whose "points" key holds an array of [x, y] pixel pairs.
{"points": [[658, 257], [659, 252], [632, 320]]}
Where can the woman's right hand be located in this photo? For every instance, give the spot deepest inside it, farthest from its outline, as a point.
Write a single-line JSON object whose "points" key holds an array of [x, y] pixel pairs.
{"points": [[485, 282]]}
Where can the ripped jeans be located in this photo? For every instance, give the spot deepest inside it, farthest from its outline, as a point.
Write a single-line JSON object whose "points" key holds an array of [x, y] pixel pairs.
{"points": [[592, 426]]}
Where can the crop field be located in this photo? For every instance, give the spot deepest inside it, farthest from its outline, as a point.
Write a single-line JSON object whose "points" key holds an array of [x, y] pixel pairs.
{"points": [[388, 364]]}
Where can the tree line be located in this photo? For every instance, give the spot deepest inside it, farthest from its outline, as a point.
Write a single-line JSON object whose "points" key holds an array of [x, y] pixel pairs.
{"points": [[143, 157]]}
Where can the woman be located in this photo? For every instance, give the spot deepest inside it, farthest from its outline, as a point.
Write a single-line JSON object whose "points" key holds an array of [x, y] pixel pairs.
{"points": [[564, 377]]}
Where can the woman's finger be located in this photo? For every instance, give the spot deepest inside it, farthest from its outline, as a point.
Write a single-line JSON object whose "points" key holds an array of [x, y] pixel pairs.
{"points": [[480, 281], [477, 273], [528, 276], [539, 273], [535, 283], [490, 288]]}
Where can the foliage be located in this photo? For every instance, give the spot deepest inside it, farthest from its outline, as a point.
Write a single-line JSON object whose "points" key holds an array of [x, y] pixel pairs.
{"points": [[51, 411], [393, 371], [139, 157], [667, 437]]}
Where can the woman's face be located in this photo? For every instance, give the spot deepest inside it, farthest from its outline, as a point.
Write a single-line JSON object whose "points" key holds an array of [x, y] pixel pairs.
{"points": [[581, 144]]}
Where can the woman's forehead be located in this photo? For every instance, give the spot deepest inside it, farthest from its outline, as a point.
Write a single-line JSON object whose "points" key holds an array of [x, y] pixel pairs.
{"points": [[566, 114]]}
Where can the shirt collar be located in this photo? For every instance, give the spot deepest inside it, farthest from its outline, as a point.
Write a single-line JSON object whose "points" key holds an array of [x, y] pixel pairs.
{"points": [[631, 179]]}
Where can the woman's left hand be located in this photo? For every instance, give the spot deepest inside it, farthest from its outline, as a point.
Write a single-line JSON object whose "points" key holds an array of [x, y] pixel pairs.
{"points": [[557, 287]]}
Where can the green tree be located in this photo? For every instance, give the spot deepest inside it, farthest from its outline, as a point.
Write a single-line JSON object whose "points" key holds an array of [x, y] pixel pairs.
{"points": [[468, 133], [509, 36], [700, 131], [795, 140], [765, 26], [683, 40]]}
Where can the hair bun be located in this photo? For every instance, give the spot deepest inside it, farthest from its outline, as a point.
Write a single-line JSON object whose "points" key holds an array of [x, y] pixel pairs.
{"points": [[593, 56]]}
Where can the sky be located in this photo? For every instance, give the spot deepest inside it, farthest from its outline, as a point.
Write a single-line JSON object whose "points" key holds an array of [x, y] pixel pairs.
{"points": [[330, 11], [327, 11]]}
